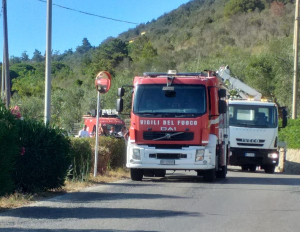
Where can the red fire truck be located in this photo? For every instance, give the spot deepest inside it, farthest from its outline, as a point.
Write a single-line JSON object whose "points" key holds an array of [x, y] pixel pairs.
{"points": [[178, 122], [107, 117]]}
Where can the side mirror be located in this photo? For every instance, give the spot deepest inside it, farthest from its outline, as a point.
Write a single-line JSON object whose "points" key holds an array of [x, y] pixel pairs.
{"points": [[283, 115], [222, 93], [121, 92], [119, 105], [222, 107]]}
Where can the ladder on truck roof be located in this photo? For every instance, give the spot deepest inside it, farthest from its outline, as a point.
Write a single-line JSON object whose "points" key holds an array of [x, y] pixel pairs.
{"points": [[156, 74]]}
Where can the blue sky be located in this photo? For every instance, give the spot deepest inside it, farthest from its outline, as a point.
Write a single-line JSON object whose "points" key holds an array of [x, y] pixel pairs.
{"points": [[27, 22]]}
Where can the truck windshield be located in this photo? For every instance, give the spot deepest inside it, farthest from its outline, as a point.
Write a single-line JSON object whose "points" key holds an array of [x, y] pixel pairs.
{"points": [[184, 100], [253, 116]]}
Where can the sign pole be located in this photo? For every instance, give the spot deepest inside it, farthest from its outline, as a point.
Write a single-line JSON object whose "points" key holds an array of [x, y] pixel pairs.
{"points": [[102, 84], [97, 135]]}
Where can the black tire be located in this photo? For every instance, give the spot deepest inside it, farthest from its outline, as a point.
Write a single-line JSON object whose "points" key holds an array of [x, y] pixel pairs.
{"points": [[222, 173], [270, 169], [199, 173], [244, 167], [252, 168], [136, 174], [160, 173], [148, 172], [209, 175]]}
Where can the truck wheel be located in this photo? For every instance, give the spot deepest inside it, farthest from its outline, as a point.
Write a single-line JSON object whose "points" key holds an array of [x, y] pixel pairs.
{"points": [[222, 173], [269, 169], [160, 173], [148, 172], [209, 175], [252, 168], [199, 172], [136, 174]]}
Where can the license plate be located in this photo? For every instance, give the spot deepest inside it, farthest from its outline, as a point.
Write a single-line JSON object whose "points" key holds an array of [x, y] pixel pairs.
{"points": [[250, 154], [167, 162]]}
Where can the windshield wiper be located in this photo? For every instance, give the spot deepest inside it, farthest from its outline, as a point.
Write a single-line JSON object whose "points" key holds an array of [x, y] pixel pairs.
{"points": [[179, 115], [241, 124], [168, 136], [261, 126]]}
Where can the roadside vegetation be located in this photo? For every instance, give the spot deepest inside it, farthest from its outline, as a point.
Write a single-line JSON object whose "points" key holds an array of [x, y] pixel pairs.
{"points": [[38, 160]]}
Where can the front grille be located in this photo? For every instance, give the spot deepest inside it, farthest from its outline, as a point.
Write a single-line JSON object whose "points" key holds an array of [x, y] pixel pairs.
{"points": [[259, 140], [168, 146], [168, 156], [168, 136], [250, 144]]}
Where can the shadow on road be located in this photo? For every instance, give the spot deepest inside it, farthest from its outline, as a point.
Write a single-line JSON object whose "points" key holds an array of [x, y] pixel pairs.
{"points": [[86, 197], [260, 178], [263, 180], [42, 212]]}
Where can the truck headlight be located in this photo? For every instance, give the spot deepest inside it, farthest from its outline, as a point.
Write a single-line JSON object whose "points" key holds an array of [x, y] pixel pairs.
{"points": [[199, 155], [273, 155], [136, 154]]}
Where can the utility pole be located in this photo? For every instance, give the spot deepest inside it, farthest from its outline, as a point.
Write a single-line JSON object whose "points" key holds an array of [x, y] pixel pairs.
{"points": [[5, 53], [48, 64], [295, 84], [3, 76]]}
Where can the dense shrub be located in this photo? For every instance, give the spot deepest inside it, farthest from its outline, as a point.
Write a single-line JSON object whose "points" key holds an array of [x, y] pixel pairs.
{"points": [[291, 134], [111, 154], [80, 154], [9, 149], [45, 162]]}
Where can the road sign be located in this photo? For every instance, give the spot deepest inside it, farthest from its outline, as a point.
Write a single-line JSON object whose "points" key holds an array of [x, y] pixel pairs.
{"points": [[102, 82]]}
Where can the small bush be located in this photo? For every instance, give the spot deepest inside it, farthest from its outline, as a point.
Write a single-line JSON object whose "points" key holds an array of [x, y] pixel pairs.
{"points": [[46, 160], [9, 149], [291, 134], [80, 154], [111, 154]]}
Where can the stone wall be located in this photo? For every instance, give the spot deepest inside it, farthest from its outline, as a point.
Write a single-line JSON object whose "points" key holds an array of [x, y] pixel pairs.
{"points": [[291, 163]]}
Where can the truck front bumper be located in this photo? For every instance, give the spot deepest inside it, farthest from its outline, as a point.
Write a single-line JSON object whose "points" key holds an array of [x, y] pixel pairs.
{"points": [[259, 157], [169, 159]]}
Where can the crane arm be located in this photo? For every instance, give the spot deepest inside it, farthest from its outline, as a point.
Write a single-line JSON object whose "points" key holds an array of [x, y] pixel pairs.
{"points": [[245, 90]]}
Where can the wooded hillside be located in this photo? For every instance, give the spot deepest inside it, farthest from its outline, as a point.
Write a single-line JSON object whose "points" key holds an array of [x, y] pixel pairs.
{"points": [[253, 37]]}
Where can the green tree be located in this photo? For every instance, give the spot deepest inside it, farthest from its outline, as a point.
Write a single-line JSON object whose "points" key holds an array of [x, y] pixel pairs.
{"points": [[14, 60], [237, 6], [85, 47], [143, 54], [37, 56], [29, 85], [24, 56], [108, 57]]}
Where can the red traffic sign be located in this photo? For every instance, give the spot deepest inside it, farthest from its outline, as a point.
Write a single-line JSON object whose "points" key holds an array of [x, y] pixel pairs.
{"points": [[102, 82]]}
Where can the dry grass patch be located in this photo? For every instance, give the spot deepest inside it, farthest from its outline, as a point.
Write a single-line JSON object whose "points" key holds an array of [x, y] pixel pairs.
{"points": [[19, 199]]}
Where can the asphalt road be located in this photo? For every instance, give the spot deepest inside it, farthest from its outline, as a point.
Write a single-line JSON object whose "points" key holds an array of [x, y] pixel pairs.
{"points": [[244, 201]]}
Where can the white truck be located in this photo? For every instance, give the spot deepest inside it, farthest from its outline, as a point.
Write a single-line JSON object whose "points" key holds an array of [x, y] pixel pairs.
{"points": [[253, 127]]}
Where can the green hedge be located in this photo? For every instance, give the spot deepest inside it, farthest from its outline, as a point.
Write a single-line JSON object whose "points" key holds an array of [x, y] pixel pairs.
{"points": [[111, 155], [80, 153], [9, 149], [291, 134], [46, 160]]}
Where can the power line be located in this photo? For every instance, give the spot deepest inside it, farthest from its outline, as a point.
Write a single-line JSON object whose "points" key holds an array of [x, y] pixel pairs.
{"points": [[99, 16]]}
